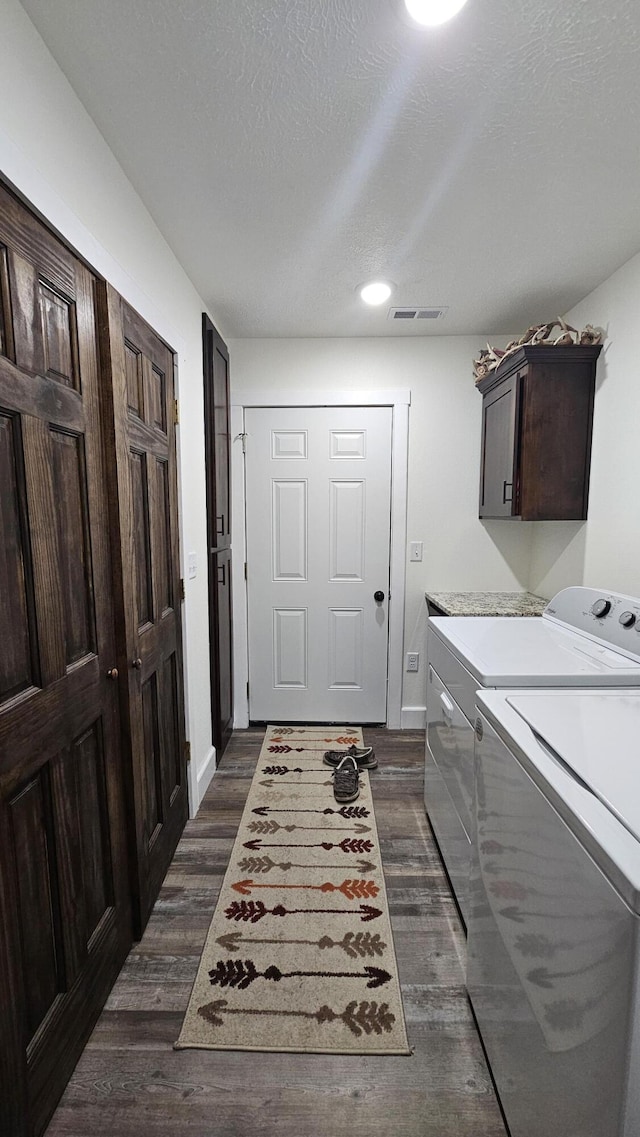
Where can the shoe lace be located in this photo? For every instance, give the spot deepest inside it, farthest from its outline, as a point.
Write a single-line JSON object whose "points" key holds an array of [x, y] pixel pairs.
{"points": [[346, 770]]}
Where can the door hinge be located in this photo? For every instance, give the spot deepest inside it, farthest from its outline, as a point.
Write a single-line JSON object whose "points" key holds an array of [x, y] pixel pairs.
{"points": [[176, 412], [245, 571], [187, 752], [182, 594], [247, 688]]}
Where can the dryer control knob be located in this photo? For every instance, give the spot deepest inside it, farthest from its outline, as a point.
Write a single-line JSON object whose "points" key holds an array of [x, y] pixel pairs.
{"points": [[627, 619], [601, 607]]}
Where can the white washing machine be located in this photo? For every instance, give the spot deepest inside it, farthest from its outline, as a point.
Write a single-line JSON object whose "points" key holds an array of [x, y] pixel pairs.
{"points": [[585, 638], [553, 923]]}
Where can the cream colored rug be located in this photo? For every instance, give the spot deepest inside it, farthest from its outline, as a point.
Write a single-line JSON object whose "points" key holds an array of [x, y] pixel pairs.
{"points": [[299, 955]]}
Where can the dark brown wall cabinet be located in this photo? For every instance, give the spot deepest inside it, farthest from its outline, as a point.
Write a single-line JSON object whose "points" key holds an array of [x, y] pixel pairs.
{"points": [[217, 457], [92, 769], [537, 414]]}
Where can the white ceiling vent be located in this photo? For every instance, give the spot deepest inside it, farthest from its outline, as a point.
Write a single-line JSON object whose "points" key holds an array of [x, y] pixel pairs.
{"points": [[413, 312]]}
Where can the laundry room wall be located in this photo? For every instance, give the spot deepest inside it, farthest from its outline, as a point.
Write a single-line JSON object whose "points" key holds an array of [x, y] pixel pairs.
{"points": [[52, 152], [604, 551], [460, 552]]}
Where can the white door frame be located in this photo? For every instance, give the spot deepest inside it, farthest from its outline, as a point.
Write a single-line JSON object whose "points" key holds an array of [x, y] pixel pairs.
{"points": [[399, 401]]}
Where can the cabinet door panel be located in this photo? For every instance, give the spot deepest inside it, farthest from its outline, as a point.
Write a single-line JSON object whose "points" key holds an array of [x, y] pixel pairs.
{"points": [[499, 458]]}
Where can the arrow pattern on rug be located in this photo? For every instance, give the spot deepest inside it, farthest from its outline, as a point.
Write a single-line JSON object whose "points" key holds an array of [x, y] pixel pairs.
{"points": [[360, 1018], [269, 783], [285, 749], [265, 864], [348, 845], [241, 973], [346, 811], [358, 945], [352, 889], [275, 827], [251, 911], [281, 770]]}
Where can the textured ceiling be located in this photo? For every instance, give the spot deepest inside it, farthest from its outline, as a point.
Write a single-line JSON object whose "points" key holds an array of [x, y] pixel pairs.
{"points": [[291, 149]]}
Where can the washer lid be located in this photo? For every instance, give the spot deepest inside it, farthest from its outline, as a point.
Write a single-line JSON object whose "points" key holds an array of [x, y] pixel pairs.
{"points": [[596, 737], [501, 651]]}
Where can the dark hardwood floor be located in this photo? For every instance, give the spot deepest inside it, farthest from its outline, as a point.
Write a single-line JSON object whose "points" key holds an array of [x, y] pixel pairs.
{"points": [[131, 1083]]}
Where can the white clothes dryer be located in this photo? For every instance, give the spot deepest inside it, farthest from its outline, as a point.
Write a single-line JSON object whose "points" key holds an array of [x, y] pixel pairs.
{"points": [[554, 908]]}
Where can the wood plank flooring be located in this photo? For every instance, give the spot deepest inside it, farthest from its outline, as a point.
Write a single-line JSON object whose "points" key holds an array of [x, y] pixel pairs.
{"points": [[131, 1083]]}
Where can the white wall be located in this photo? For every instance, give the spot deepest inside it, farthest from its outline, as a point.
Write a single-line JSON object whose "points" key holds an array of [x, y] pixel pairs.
{"points": [[53, 153], [460, 552], [604, 550]]}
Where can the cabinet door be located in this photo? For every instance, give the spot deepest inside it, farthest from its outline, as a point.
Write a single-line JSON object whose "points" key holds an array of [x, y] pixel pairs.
{"points": [[139, 373], [221, 647], [499, 455], [64, 899]]}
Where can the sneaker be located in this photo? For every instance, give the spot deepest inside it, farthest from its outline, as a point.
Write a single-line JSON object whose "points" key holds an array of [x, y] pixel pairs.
{"points": [[363, 755], [346, 785]]}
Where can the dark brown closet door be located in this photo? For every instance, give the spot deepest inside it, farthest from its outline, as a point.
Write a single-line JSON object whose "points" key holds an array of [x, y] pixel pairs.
{"points": [[217, 435], [65, 918], [222, 648], [138, 368], [217, 459]]}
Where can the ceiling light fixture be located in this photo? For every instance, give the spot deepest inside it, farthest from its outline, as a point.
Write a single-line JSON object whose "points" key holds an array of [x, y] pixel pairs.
{"points": [[430, 13], [376, 292]]}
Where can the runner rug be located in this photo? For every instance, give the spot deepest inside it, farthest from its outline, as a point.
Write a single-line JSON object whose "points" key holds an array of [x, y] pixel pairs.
{"points": [[299, 955]]}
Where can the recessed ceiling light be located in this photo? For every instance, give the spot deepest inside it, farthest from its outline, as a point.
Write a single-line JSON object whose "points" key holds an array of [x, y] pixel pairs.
{"points": [[430, 13], [376, 292]]}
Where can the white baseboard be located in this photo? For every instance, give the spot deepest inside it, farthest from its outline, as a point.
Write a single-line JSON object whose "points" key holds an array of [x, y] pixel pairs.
{"points": [[413, 718], [203, 778]]}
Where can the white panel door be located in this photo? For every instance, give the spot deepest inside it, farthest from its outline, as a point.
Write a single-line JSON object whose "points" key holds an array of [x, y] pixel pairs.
{"points": [[318, 486]]}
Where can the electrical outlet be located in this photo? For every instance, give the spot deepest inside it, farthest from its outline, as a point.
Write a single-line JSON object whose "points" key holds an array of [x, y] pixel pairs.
{"points": [[415, 551], [413, 661]]}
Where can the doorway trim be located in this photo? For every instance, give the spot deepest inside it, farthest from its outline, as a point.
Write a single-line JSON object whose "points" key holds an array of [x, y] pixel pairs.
{"points": [[399, 401]]}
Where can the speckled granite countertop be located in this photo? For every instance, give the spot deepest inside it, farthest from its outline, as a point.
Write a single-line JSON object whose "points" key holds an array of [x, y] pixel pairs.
{"points": [[488, 603]]}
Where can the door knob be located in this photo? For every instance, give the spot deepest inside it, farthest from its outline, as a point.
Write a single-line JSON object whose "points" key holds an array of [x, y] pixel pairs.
{"points": [[112, 673], [137, 663], [378, 596]]}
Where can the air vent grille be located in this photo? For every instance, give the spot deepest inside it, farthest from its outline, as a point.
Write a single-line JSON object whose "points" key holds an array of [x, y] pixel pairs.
{"points": [[414, 312]]}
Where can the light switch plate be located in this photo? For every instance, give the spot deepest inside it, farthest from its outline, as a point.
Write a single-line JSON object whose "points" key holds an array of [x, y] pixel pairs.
{"points": [[415, 551], [192, 566]]}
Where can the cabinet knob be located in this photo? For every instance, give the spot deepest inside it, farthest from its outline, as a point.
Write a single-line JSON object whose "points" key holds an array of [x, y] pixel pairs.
{"points": [[137, 663], [112, 673]]}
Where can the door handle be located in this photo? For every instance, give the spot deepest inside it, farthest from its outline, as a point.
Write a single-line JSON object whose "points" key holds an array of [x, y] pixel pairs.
{"points": [[505, 499], [222, 579], [378, 596], [220, 523]]}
